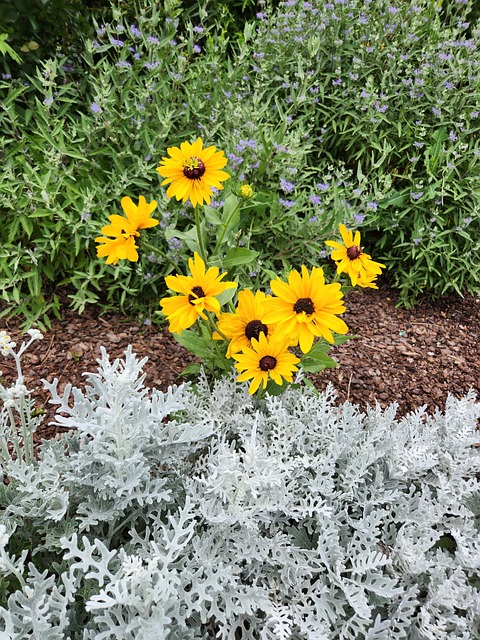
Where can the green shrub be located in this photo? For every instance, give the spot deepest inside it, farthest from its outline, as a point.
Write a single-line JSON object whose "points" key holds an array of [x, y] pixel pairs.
{"points": [[391, 94], [362, 113]]}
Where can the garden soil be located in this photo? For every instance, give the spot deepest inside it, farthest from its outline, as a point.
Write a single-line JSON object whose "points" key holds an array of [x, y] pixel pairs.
{"points": [[412, 357]]}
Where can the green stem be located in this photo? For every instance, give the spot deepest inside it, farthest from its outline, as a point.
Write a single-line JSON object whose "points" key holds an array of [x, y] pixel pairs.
{"points": [[213, 327], [225, 226], [203, 253]]}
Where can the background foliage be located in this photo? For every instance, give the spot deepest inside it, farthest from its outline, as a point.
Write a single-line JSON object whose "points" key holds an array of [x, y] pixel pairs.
{"points": [[355, 112]]}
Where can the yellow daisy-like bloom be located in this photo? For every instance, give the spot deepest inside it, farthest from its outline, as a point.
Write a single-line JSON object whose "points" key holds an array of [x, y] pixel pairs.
{"points": [[368, 281], [245, 324], [350, 259], [198, 293], [192, 171], [124, 231], [267, 358], [306, 308]]}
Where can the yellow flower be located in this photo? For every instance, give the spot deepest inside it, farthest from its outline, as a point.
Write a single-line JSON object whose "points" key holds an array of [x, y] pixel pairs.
{"points": [[368, 281], [245, 324], [350, 259], [268, 358], [306, 308], [124, 231], [192, 171], [198, 294], [246, 191]]}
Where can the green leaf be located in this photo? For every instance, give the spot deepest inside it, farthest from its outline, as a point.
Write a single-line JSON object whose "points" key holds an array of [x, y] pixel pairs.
{"points": [[226, 295], [230, 216], [189, 237], [211, 215], [196, 344], [238, 255], [192, 369], [7, 49], [317, 362]]}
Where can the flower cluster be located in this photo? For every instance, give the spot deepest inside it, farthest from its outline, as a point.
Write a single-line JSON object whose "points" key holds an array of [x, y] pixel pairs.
{"points": [[350, 259], [6, 344], [124, 231], [266, 335], [263, 329]]}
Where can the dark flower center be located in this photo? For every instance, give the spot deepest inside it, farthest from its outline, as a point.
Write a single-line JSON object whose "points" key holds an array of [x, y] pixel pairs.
{"points": [[354, 252], [197, 292], [267, 363], [254, 328], [304, 304], [194, 168]]}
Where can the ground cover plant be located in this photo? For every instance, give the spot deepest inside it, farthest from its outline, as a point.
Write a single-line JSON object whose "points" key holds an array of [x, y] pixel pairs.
{"points": [[203, 513], [361, 113]]}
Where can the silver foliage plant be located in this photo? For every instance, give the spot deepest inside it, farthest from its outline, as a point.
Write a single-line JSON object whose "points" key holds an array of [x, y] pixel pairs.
{"points": [[205, 513]]}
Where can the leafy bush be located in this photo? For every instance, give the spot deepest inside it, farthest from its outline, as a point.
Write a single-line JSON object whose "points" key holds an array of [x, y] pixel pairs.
{"points": [[203, 513], [354, 112], [388, 92]]}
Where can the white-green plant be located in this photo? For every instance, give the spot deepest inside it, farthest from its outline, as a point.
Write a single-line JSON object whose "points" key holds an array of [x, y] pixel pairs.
{"points": [[202, 512]]}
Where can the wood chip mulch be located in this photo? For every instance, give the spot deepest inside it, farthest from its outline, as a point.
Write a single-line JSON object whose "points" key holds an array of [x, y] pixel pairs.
{"points": [[414, 357]]}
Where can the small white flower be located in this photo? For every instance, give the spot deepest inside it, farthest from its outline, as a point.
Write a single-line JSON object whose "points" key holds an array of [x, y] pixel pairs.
{"points": [[6, 344], [35, 334], [8, 348]]}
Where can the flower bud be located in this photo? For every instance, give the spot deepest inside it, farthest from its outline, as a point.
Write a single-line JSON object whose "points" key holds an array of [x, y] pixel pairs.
{"points": [[246, 192]]}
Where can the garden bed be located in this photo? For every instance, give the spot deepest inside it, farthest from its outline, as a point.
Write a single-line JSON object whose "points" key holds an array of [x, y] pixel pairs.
{"points": [[412, 357]]}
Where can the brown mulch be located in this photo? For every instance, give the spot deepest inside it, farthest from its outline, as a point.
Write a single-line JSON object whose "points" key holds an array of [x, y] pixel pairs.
{"points": [[414, 357]]}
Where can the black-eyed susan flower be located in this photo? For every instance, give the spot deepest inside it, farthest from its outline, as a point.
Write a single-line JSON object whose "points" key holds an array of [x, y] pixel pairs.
{"points": [[245, 324], [306, 308], [192, 171], [267, 358], [350, 258], [198, 294], [125, 230]]}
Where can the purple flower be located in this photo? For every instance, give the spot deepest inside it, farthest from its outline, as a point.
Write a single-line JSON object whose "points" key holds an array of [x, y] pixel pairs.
{"points": [[417, 196], [323, 186], [135, 31], [95, 108], [359, 218], [285, 186], [372, 205], [316, 200], [153, 40], [381, 108], [452, 136], [197, 48], [116, 43], [198, 29], [287, 203], [313, 219], [7, 76]]}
